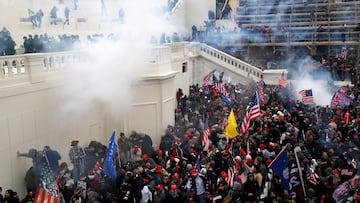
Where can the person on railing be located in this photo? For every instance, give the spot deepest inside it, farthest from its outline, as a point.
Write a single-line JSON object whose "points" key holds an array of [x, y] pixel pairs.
{"points": [[121, 14], [32, 17], [53, 15], [67, 16], [39, 16]]}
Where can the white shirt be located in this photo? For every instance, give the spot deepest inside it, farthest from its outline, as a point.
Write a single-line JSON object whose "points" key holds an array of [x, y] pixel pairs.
{"points": [[146, 195]]}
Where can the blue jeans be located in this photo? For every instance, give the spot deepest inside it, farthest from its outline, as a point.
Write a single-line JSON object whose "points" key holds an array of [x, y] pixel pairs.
{"points": [[200, 198], [77, 171]]}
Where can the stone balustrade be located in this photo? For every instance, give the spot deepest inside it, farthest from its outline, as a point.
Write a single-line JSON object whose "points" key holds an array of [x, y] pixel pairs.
{"points": [[34, 68]]}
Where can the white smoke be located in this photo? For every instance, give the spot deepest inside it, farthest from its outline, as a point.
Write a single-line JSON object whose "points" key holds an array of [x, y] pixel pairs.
{"points": [[315, 78], [106, 77]]}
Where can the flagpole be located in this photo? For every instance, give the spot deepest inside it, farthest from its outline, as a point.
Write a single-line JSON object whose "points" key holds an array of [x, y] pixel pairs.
{"points": [[284, 148], [118, 151], [296, 150]]}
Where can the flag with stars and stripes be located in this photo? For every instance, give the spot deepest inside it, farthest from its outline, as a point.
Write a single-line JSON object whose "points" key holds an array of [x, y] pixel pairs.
{"points": [[252, 113], [311, 176], [220, 88], [205, 135], [48, 190], [261, 85], [282, 80], [307, 96], [231, 176]]}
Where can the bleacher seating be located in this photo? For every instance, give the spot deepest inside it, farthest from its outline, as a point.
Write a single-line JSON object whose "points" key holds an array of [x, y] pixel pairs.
{"points": [[293, 25]]}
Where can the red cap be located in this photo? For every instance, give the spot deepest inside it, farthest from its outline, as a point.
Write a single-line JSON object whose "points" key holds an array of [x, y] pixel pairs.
{"points": [[194, 171], [176, 176], [271, 145], [192, 150], [249, 159], [223, 174], [187, 135], [145, 156], [158, 168], [159, 186], [262, 146], [173, 187], [160, 152]]}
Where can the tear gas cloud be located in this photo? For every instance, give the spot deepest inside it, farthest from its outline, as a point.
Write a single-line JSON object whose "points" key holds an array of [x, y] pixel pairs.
{"points": [[311, 75], [112, 67]]}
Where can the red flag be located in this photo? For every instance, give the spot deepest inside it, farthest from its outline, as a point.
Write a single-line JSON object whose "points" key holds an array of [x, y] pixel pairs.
{"points": [[282, 80]]}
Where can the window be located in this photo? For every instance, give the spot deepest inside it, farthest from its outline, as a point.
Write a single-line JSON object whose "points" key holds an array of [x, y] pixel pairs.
{"points": [[184, 67]]}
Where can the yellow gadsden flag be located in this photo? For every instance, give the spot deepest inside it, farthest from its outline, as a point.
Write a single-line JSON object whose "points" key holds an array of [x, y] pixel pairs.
{"points": [[231, 127]]}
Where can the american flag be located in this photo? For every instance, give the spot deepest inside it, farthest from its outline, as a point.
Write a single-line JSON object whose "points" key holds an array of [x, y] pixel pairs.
{"points": [[261, 85], [231, 175], [219, 87], [207, 77], [48, 191], [205, 135], [311, 176], [252, 113], [282, 80], [307, 96], [341, 98]]}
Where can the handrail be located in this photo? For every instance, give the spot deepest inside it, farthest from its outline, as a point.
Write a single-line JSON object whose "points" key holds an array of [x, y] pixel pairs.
{"points": [[232, 63]]}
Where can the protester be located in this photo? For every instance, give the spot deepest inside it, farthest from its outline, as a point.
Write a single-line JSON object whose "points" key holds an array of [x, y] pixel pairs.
{"points": [[77, 157]]}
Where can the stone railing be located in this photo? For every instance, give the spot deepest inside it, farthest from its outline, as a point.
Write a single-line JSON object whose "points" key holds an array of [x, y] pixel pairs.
{"points": [[40, 67], [33, 68], [235, 65], [229, 62]]}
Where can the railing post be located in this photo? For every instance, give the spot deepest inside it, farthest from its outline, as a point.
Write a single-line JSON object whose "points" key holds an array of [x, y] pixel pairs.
{"points": [[36, 67]]}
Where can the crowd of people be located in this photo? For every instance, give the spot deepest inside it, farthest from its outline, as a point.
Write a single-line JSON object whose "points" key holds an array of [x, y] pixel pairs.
{"points": [[184, 169], [7, 44]]}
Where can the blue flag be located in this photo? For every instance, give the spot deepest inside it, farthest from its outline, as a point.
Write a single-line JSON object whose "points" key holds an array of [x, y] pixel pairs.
{"points": [[109, 166], [227, 100], [280, 167]]}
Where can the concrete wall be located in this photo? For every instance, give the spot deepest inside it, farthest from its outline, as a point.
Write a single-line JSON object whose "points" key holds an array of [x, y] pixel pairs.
{"points": [[33, 120], [197, 12]]}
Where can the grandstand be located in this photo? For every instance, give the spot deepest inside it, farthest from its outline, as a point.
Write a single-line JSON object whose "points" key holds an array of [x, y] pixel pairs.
{"points": [[320, 29]]}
